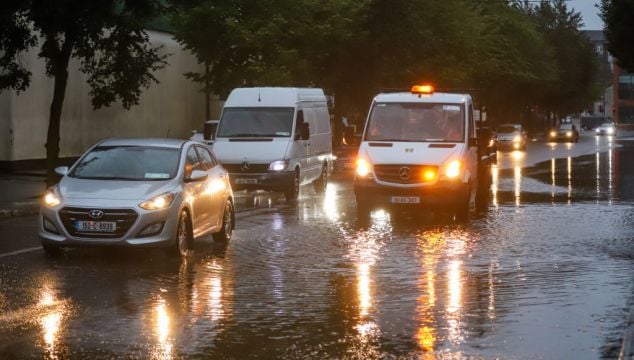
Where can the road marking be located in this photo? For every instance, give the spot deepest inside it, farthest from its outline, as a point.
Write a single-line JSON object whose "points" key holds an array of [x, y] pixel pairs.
{"points": [[18, 252]]}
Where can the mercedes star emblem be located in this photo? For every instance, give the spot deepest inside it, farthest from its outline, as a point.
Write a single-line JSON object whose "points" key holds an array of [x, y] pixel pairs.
{"points": [[404, 173], [245, 166]]}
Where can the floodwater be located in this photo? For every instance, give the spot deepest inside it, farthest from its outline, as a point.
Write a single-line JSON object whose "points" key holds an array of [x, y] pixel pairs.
{"points": [[546, 272]]}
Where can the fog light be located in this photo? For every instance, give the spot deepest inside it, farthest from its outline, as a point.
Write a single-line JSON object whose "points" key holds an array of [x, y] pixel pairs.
{"points": [[152, 229], [429, 175], [49, 226]]}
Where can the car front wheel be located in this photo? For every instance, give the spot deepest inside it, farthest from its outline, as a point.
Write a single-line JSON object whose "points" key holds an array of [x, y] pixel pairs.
{"points": [[227, 224], [184, 237]]}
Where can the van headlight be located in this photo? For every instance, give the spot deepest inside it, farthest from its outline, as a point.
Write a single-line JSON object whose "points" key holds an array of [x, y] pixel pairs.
{"points": [[363, 167], [452, 170], [52, 198], [159, 202], [278, 165]]}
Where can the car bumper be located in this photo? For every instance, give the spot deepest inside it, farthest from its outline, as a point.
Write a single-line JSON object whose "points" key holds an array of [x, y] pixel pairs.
{"points": [[441, 195], [562, 137], [509, 145], [66, 235], [270, 181]]}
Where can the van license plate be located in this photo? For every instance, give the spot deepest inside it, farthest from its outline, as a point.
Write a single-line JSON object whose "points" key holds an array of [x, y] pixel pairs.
{"points": [[246, 181], [96, 226], [405, 200]]}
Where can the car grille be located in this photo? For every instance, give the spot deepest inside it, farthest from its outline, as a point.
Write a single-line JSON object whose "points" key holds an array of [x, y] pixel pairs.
{"points": [[392, 173], [253, 168], [124, 218]]}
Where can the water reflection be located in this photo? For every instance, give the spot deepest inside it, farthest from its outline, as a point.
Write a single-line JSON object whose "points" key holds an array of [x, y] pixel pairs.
{"points": [[51, 321], [162, 331]]}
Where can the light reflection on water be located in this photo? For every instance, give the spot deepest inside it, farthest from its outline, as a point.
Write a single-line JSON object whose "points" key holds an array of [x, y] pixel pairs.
{"points": [[51, 321]]}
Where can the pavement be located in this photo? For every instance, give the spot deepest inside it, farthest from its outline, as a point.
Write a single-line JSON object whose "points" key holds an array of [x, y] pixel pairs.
{"points": [[20, 193]]}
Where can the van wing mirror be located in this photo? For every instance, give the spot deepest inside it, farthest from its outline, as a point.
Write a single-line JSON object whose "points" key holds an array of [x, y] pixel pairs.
{"points": [[304, 132]]}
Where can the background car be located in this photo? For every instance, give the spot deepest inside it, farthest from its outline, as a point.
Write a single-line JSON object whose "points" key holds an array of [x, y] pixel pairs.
{"points": [[565, 132], [139, 192], [606, 129], [511, 137]]}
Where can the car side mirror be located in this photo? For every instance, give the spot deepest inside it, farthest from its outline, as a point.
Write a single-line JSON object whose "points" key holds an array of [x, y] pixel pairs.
{"points": [[62, 170], [196, 175]]}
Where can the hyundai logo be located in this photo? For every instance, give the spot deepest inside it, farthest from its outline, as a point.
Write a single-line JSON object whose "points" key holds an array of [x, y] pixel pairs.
{"points": [[245, 166], [404, 173], [95, 214]]}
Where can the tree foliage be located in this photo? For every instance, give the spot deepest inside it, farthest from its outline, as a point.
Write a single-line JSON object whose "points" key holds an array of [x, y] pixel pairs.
{"points": [[618, 16], [106, 37]]}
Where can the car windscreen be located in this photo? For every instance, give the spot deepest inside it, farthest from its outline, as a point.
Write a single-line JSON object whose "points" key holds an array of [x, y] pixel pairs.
{"points": [[140, 163], [565, 127], [431, 122], [505, 129], [256, 122]]}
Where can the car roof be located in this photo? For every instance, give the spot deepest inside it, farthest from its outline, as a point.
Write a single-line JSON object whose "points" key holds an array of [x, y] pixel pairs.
{"points": [[437, 97], [156, 142]]}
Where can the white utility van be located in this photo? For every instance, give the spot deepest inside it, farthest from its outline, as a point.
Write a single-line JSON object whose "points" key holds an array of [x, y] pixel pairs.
{"points": [[275, 139], [419, 148]]}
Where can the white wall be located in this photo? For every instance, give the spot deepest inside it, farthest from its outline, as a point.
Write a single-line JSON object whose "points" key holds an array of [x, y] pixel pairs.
{"points": [[171, 108]]}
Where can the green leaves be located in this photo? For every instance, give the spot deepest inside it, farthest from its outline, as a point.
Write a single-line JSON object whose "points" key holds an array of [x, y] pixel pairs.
{"points": [[509, 50], [618, 16]]}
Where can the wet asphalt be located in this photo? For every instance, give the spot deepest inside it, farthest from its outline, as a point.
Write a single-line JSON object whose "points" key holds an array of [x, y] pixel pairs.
{"points": [[546, 271]]}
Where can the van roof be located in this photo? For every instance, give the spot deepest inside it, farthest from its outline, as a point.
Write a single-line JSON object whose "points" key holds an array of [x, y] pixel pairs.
{"points": [[272, 96], [436, 97]]}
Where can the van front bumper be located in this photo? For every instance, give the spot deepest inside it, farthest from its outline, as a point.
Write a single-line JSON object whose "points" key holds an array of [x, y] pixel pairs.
{"points": [[269, 181], [442, 195]]}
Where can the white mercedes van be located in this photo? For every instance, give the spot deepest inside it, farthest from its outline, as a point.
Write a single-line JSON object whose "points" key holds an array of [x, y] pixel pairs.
{"points": [[275, 139], [419, 148]]}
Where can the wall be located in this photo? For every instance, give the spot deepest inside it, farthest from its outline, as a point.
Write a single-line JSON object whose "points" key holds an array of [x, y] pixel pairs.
{"points": [[171, 108]]}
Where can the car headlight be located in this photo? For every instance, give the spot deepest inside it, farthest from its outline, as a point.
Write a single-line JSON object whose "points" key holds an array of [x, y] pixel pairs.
{"points": [[159, 202], [363, 167], [52, 198], [610, 131], [569, 134], [452, 170], [278, 165], [517, 138], [553, 133]]}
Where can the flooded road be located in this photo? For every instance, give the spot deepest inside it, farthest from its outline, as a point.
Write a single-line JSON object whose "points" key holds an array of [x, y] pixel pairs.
{"points": [[547, 272]]}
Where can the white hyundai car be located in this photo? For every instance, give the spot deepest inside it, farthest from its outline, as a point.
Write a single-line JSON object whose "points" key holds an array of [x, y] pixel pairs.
{"points": [[139, 192]]}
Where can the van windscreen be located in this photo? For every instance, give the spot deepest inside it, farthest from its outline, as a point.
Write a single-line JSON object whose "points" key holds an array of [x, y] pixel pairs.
{"points": [[256, 122], [431, 122]]}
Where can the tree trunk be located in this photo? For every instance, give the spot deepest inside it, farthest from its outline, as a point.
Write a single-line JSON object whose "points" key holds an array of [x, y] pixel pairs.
{"points": [[54, 122]]}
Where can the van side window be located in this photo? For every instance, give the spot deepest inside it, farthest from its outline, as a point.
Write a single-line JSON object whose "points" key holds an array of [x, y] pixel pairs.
{"points": [[310, 118], [298, 121]]}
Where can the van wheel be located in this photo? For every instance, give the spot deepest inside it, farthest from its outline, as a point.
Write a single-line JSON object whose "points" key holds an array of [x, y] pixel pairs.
{"points": [[292, 194], [224, 234], [322, 182], [184, 237]]}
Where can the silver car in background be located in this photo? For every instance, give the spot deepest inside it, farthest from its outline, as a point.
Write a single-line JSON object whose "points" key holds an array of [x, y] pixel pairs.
{"points": [[139, 192]]}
